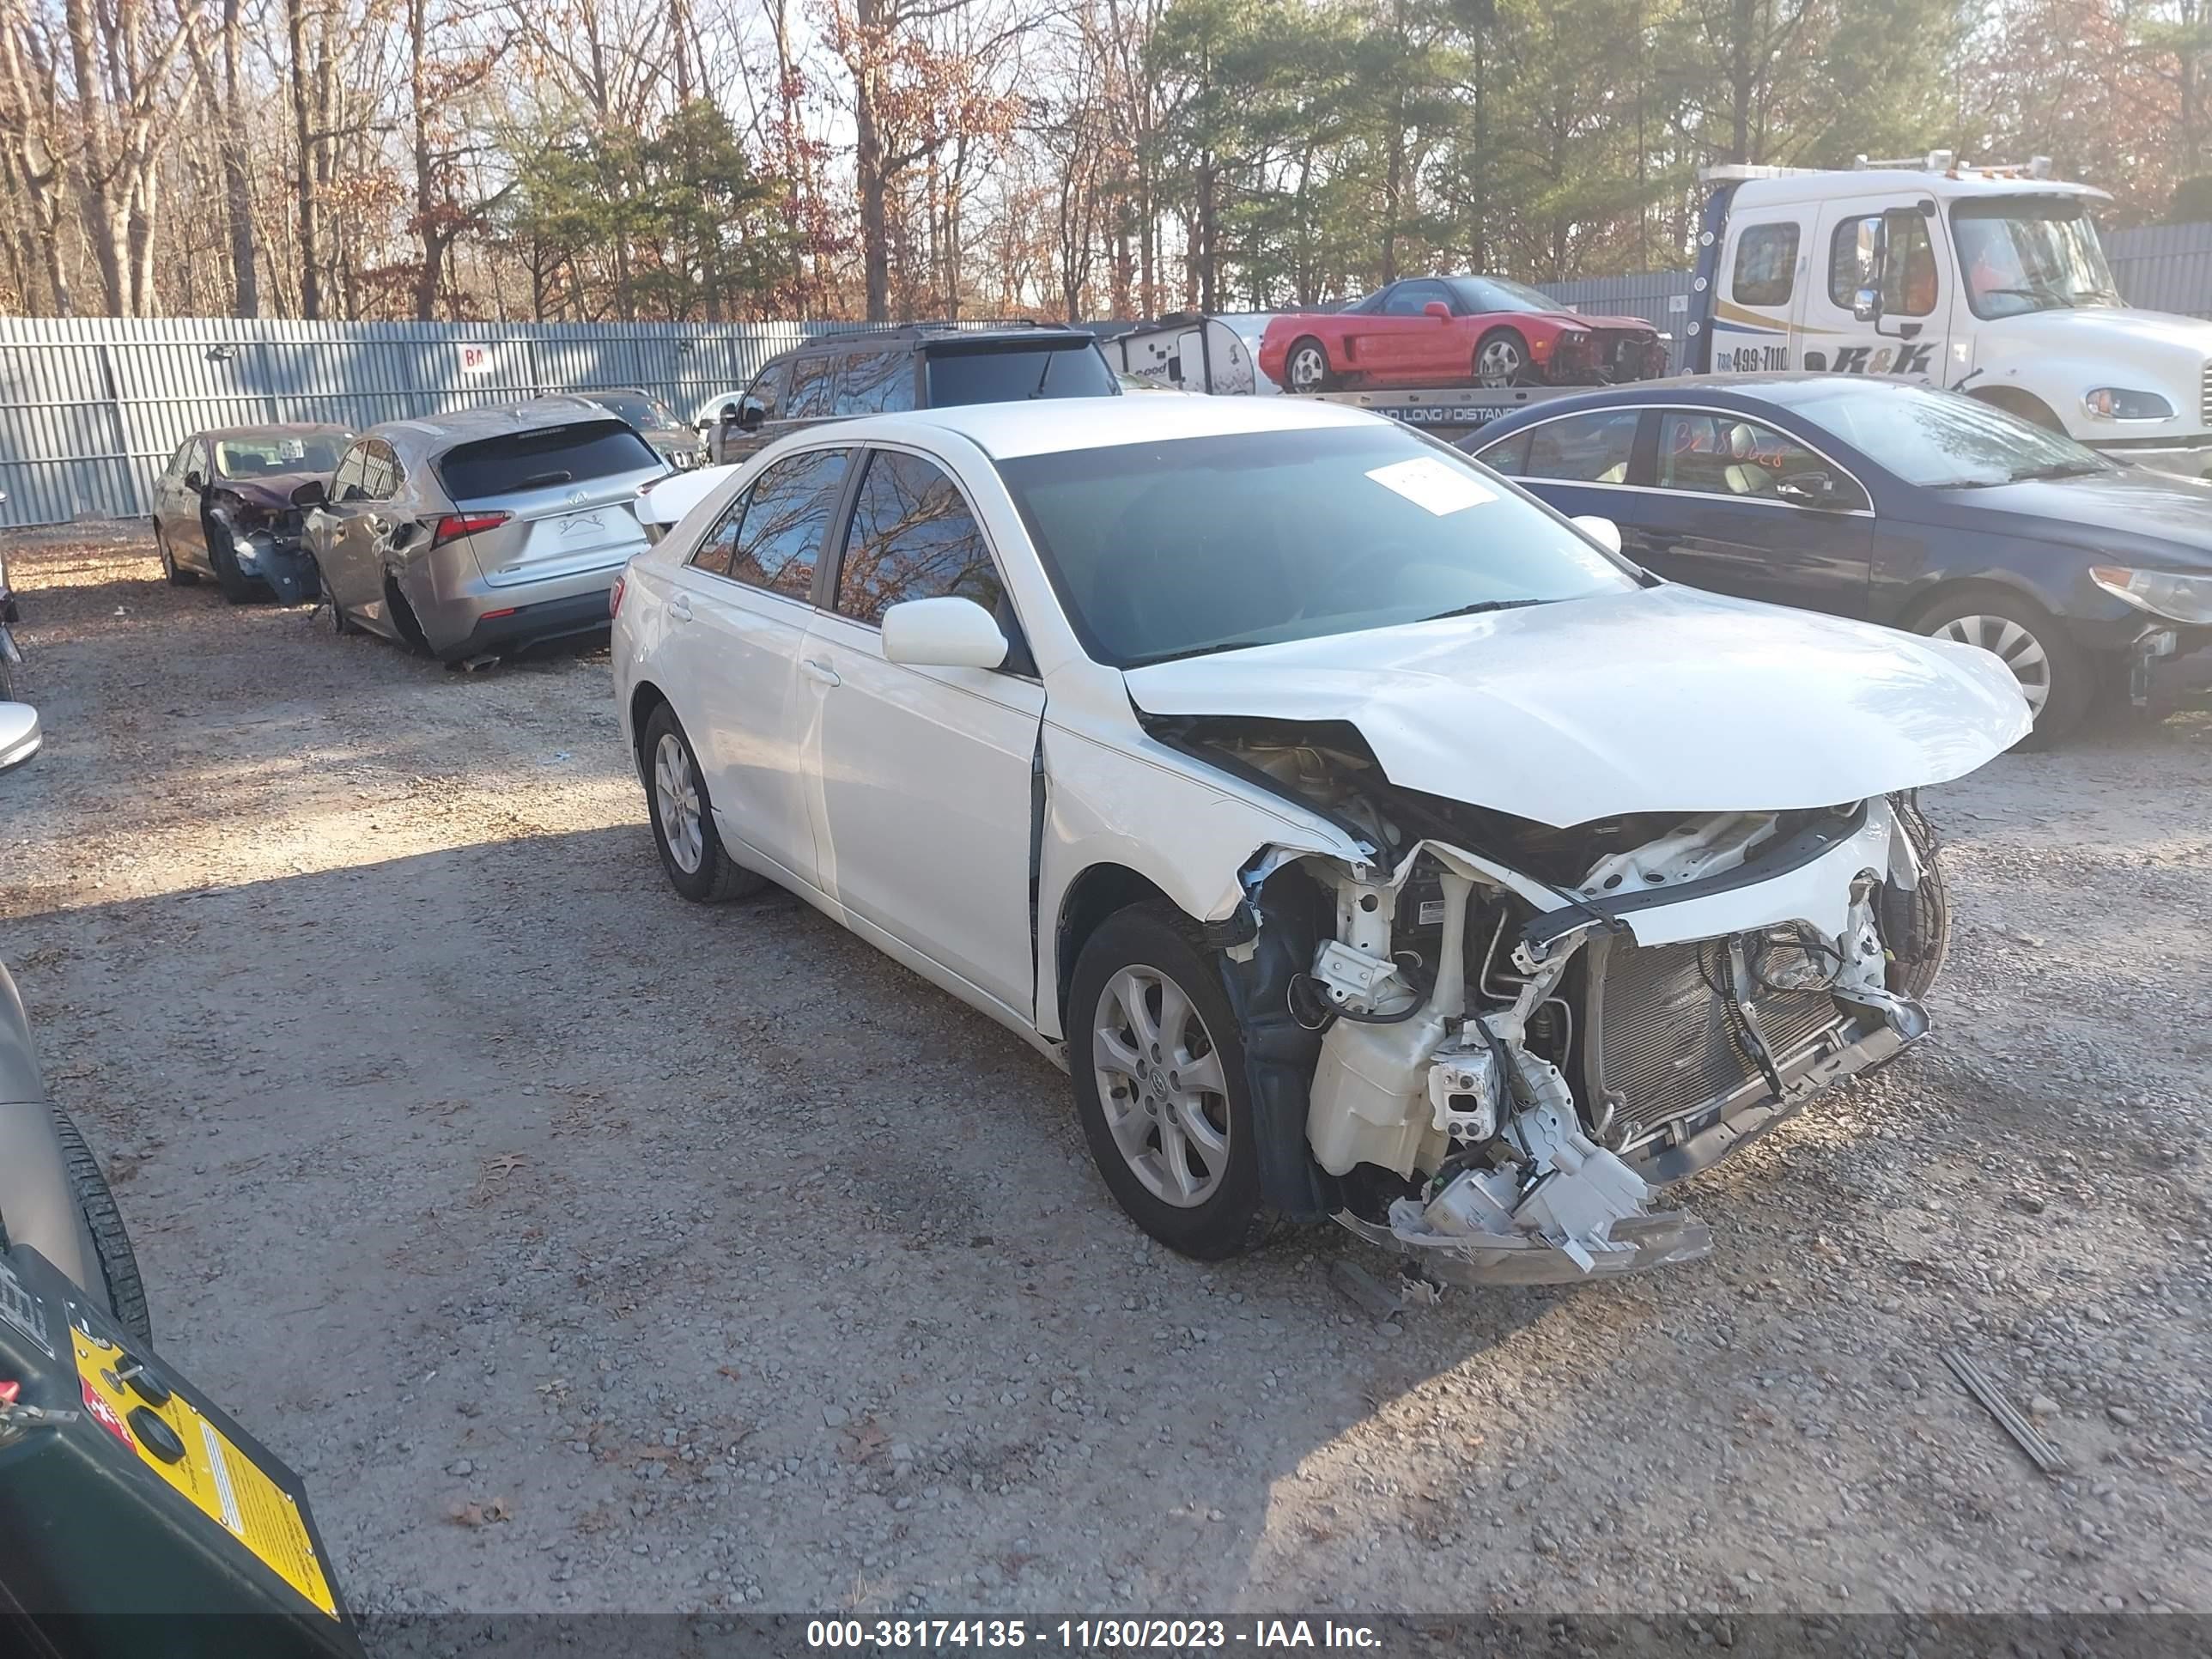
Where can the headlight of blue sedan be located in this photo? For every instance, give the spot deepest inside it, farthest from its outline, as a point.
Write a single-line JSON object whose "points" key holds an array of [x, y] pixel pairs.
{"points": [[2180, 598], [2113, 402]]}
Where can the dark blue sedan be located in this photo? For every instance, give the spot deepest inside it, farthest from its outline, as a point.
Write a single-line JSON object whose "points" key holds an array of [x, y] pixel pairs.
{"points": [[1893, 502]]}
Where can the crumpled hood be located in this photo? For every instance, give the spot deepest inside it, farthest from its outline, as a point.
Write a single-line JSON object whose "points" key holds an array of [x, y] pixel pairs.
{"points": [[1590, 320], [1660, 700], [271, 490]]}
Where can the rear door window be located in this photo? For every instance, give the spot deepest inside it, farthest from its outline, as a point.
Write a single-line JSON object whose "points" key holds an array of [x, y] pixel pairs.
{"points": [[876, 383], [785, 520], [518, 461], [912, 537], [1005, 374], [812, 381]]}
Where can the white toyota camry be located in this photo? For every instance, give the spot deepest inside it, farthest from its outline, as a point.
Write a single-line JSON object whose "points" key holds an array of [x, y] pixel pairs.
{"points": [[1366, 839]]}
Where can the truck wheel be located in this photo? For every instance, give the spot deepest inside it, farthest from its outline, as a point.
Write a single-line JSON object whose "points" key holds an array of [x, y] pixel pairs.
{"points": [[1501, 358], [177, 575], [1158, 1061], [2054, 673], [111, 1242], [1306, 368]]}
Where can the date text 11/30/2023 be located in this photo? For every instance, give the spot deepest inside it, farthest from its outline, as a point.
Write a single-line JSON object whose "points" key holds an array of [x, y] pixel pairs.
{"points": [[1085, 1635]]}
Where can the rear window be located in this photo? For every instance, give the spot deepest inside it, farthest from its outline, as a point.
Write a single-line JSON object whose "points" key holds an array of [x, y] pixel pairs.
{"points": [[517, 461], [1008, 375]]}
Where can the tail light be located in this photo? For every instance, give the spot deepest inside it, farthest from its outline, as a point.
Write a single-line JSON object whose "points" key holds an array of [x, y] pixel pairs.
{"points": [[455, 526], [614, 597]]}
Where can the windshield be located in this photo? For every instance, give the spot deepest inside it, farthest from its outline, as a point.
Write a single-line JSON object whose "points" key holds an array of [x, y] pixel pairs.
{"points": [[1939, 439], [636, 408], [1008, 375], [266, 457], [2030, 253], [1171, 550], [1480, 293]]}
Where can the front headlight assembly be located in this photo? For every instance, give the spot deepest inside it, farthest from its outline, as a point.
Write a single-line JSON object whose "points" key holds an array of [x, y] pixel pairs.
{"points": [[2178, 598], [2114, 402]]}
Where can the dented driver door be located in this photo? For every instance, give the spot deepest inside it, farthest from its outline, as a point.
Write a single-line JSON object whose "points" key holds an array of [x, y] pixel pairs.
{"points": [[924, 774]]}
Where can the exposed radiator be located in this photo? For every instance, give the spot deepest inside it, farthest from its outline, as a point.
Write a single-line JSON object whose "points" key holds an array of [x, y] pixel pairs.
{"points": [[1667, 1043]]}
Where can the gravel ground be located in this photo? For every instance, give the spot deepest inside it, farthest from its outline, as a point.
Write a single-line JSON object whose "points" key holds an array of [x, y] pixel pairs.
{"points": [[589, 1249]]}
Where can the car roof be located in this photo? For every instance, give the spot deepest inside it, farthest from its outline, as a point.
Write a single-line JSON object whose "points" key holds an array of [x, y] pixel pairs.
{"points": [[462, 425], [1048, 426], [276, 429], [1747, 392]]}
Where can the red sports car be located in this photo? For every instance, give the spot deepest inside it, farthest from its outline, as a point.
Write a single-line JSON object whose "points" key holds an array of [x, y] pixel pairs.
{"points": [[1457, 330]]}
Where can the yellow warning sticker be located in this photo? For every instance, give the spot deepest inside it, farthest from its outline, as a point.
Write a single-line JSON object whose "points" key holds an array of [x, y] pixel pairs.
{"points": [[201, 1461]]}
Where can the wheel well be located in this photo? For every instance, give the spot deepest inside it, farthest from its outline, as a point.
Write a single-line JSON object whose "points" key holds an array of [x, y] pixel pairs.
{"points": [[2014, 401], [1942, 592], [643, 699], [1091, 897]]}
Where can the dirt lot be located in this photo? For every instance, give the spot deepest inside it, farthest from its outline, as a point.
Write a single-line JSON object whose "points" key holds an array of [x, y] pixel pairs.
{"points": [[589, 1249]]}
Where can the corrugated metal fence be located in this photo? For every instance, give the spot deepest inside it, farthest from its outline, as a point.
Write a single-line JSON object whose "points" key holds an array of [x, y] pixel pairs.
{"points": [[90, 407], [2158, 267]]}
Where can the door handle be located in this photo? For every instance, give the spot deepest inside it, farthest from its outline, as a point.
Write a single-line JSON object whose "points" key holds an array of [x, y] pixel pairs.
{"points": [[820, 670], [680, 607]]}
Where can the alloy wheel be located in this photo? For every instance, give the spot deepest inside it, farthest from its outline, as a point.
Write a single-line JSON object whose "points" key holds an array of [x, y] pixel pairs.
{"points": [[1309, 368], [1160, 1086], [1499, 363], [675, 801], [2018, 648]]}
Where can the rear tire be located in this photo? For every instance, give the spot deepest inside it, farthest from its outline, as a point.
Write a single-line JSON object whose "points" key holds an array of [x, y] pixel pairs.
{"points": [[110, 1241], [1163, 1094], [177, 575], [1501, 359], [691, 851], [2054, 673], [1306, 367]]}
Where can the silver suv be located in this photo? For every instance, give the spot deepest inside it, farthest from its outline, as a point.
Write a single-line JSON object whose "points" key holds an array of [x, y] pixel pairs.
{"points": [[475, 534]]}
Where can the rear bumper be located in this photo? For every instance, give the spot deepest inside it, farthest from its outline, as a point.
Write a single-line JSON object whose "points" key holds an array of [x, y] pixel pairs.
{"points": [[494, 634]]}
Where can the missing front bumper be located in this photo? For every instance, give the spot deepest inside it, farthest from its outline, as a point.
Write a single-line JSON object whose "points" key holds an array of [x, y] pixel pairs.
{"points": [[1648, 1241]]}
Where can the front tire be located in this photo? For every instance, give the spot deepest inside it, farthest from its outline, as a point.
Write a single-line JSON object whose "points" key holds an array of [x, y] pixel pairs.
{"points": [[1501, 359], [111, 1242], [1158, 1061], [2054, 673], [237, 587], [691, 851], [1306, 368]]}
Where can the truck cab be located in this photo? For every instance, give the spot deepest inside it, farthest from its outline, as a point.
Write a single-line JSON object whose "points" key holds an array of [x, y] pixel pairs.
{"points": [[1989, 281]]}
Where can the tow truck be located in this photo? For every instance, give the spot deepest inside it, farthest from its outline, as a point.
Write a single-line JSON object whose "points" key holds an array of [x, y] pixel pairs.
{"points": [[1986, 280]]}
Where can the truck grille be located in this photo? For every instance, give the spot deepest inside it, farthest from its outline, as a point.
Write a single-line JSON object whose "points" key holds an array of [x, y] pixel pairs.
{"points": [[2204, 395], [1667, 1043]]}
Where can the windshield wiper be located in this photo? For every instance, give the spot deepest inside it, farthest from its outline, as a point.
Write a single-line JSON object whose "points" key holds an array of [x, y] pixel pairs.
{"points": [[1481, 606], [2056, 470]]}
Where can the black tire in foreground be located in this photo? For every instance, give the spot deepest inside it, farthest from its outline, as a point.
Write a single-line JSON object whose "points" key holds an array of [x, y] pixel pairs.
{"points": [[237, 587], [691, 851], [110, 1241], [2056, 677], [1158, 1061]]}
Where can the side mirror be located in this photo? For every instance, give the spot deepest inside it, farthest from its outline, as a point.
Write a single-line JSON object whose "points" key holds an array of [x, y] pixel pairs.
{"points": [[1866, 305], [753, 414], [193, 481], [1604, 532], [310, 493], [945, 633], [1437, 309]]}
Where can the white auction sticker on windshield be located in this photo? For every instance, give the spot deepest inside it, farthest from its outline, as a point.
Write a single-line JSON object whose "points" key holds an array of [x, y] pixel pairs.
{"points": [[1431, 485]]}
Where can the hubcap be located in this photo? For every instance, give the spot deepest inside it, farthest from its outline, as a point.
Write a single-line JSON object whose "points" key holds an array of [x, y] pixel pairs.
{"points": [[676, 800], [2020, 650], [1161, 1085], [1499, 363], [1309, 368]]}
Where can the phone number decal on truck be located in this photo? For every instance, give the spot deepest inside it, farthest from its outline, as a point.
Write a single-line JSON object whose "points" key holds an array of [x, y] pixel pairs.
{"points": [[1751, 359]]}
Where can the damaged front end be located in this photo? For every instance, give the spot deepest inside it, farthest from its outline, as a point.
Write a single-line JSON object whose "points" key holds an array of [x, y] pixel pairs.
{"points": [[265, 534], [1524, 1032]]}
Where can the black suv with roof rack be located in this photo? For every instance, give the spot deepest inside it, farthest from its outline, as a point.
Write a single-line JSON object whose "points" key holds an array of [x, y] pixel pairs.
{"points": [[840, 376]]}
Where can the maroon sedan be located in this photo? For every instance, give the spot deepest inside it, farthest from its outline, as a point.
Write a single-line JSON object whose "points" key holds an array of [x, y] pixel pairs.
{"points": [[222, 508]]}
